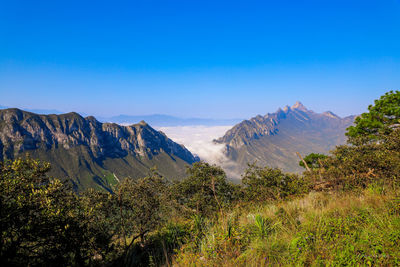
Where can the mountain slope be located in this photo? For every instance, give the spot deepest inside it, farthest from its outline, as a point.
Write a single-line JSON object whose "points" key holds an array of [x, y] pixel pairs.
{"points": [[90, 153], [275, 138]]}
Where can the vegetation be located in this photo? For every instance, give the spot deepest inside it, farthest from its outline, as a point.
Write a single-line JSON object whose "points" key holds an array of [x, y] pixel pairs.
{"points": [[205, 191], [41, 223], [345, 210], [318, 229], [381, 119], [263, 184], [313, 161]]}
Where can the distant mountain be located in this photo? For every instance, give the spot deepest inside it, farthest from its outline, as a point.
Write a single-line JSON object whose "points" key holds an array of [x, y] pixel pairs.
{"points": [[161, 120], [38, 111], [90, 153], [275, 138], [158, 120]]}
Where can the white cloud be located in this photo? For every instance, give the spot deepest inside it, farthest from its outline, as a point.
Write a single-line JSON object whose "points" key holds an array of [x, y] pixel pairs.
{"points": [[199, 140]]}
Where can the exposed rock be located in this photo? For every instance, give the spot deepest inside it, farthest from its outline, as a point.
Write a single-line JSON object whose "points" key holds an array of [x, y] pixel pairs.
{"points": [[22, 131], [274, 139]]}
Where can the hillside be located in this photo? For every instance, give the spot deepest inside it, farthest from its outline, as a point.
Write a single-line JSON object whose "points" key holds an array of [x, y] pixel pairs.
{"points": [[275, 138], [344, 211], [90, 153]]}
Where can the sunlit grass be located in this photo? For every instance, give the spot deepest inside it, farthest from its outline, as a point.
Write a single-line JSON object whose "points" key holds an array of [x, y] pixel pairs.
{"points": [[317, 229]]}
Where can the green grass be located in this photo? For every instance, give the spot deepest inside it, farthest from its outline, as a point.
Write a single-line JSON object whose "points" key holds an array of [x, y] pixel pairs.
{"points": [[110, 179], [316, 230]]}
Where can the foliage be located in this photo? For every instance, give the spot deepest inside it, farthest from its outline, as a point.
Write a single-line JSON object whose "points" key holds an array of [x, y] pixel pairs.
{"points": [[263, 225], [272, 218], [380, 120], [359, 226], [205, 190], [373, 154], [102, 216], [268, 184], [141, 204], [39, 218], [160, 246], [357, 166], [43, 222], [316, 229], [313, 160]]}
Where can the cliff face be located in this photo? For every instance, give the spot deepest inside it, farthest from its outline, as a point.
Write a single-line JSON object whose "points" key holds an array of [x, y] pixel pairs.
{"points": [[275, 138], [46, 136]]}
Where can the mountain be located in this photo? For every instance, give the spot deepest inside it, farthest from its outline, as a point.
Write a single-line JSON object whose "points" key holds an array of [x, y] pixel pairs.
{"points": [[275, 138], [158, 120], [90, 153], [38, 111], [161, 120]]}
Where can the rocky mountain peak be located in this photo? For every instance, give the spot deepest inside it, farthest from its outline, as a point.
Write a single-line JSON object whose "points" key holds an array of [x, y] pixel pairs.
{"points": [[298, 105], [90, 153], [274, 139], [143, 123], [331, 115], [30, 131], [297, 116], [286, 109]]}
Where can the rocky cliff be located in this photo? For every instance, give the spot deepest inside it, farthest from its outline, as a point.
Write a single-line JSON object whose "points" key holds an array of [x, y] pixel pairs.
{"points": [[88, 152], [275, 138]]}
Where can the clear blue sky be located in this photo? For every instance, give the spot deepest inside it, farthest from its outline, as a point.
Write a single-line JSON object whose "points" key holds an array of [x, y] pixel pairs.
{"points": [[221, 59]]}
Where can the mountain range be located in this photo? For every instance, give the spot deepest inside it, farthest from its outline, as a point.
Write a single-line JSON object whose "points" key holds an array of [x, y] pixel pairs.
{"points": [[90, 153], [38, 111], [274, 139], [161, 120], [156, 120]]}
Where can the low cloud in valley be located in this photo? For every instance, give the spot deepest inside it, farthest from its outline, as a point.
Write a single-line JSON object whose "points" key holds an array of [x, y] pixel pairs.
{"points": [[199, 140]]}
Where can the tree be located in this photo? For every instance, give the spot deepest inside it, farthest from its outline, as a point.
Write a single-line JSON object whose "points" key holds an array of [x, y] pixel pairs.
{"points": [[313, 160], [99, 210], [271, 183], [381, 119], [355, 166], [374, 152], [141, 205], [206, 190], [39, 218]]}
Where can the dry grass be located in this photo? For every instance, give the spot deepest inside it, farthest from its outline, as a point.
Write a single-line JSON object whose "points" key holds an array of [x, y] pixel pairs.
{"points": [[319, 228]]}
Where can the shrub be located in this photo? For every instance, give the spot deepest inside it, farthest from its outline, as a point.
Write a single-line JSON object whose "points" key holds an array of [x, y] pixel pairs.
{"points": [[40, 218], [270, 184], [205, 191]]}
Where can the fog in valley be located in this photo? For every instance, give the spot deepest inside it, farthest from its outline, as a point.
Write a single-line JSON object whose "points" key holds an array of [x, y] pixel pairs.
{"points": [[199, 140]]}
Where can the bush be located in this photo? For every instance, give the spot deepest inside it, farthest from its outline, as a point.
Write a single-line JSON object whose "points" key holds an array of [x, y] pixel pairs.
{"points": [[205, 191], [266, 183], [40, 218], [357, 166]]}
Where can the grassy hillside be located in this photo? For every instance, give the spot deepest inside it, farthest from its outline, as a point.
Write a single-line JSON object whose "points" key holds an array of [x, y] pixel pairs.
{"points": [[317, 229], [87, 172], [202, 220]]}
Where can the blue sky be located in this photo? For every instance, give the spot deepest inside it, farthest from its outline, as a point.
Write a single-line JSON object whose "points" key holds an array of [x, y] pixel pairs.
{"points": [[214, 59]]}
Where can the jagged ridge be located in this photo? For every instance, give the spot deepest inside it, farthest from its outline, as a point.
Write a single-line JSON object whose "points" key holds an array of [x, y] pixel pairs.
{"points": [[274, 138], [43, 135]]}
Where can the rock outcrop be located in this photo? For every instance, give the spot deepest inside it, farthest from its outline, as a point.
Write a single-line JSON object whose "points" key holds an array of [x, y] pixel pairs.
{"points": [[46, 136], [275, 138]]}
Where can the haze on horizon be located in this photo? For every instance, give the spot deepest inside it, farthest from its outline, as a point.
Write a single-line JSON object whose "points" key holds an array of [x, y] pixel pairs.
{"points": [[207, 59]]}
